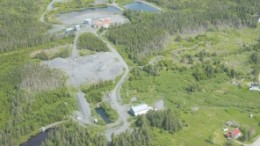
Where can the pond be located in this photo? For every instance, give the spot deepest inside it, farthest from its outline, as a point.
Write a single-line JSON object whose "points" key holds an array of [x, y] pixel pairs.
{"points": [[109, 9], [37, 139], [140, 6], [77, 17], [103, 115]]}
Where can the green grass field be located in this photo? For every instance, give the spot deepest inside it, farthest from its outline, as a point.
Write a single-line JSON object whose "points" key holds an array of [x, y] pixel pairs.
{"points": [[218, 99]]}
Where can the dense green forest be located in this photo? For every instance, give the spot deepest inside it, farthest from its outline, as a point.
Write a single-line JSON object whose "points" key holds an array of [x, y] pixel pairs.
{"points": [[91, 42], [32, 95], [73, 134], [20, 27], [142, 135], [147, 33]]}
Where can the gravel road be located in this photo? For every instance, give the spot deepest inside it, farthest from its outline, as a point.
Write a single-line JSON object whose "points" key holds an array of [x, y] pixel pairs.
{"points": [[122, 110], [256, 143], [85, 116], [55, 27], [93, 68]]}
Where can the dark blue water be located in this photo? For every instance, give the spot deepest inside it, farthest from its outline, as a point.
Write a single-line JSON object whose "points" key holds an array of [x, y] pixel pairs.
{"points": [[103, 9], [139, 6], [103, 114], [37, 139], [109, 9]]}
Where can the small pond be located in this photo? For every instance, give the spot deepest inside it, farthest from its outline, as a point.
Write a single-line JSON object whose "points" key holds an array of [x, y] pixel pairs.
{"points": [[103, 114], [77, 17], [140, 6], [93, 11], [37, 139]]}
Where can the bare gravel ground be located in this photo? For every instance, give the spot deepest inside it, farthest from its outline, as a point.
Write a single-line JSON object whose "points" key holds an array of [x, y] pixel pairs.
{"points": [[93, 68], [85, 114], [256, 143], [88, 69], [115, 97]]}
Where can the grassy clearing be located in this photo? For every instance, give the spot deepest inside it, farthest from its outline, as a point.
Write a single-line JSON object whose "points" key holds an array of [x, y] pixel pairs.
{"points": [[84, 52], [123, 2], [51, 53], [220, 98], [222, 43], [209, 121]]}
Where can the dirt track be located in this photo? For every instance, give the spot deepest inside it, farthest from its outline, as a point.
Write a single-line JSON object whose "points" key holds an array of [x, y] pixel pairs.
{"points": [[115, 97], [93, 68]]}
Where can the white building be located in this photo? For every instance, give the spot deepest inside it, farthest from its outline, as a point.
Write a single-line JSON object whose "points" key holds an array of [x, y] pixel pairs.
{"points": [[88, 21], [77, 27], [254, 87], [106, 26], [69, 30], [139, 109]]}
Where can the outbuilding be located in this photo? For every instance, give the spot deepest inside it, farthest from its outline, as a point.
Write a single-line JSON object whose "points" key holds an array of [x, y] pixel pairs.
{"points": [[88, 21], [69, 30], [254, 87], [77, 27], [139, 109]]}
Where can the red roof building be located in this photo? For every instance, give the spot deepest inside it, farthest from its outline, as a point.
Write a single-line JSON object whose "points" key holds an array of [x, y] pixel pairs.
{"points": [[236, 133], [233, 134]]}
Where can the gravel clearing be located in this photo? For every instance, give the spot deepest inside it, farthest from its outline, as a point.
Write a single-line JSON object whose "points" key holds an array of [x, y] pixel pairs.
{"points": [[159, 105], [93, 68], [88, 69]]}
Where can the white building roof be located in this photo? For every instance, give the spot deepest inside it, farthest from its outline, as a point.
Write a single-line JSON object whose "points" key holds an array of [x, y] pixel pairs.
{"points": [[69, 29], [87, 19], [139, 108], [106, 26]]}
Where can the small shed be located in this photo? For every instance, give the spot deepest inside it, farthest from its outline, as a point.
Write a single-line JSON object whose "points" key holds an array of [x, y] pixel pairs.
{"points": [[254, 87], [77, 27], [69, 30], [88, 21], [106, 26], [139, 109]]}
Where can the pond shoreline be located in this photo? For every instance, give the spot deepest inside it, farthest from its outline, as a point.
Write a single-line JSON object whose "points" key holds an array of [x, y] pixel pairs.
{"points": [[143, 6], [37, 139]]}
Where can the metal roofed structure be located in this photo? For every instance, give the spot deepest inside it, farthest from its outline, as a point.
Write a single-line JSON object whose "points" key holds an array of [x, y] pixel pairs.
{"points": [[139, 109]]}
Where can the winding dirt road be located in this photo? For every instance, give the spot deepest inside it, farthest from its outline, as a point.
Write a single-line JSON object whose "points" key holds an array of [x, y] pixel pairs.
{"points": [[48, 9], [85, 113], [121, 124]]}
